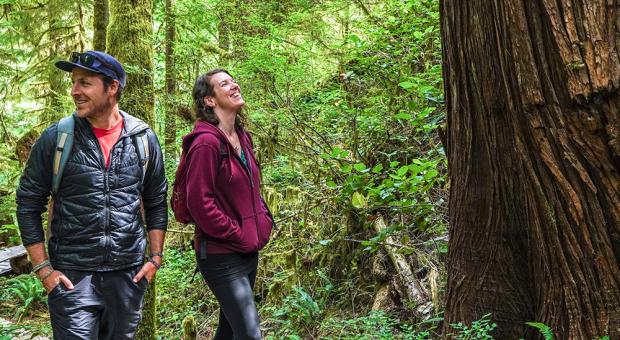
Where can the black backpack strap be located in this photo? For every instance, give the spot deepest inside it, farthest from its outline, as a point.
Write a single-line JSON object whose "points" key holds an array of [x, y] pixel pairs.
{"points": [[223, 154], [202, 255], [196, 270]]}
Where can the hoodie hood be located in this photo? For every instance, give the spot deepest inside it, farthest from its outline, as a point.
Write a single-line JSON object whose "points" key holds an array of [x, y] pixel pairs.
{"points": [[201, 127]]}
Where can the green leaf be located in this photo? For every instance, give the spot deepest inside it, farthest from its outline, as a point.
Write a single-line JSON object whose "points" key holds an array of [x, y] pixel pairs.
{"points": [[415, 169], [377, 169], [402, 171], [543, 329], [358, 200], [360, 167], [431, 174], [331, 184], [406, 85], [403, 116]]}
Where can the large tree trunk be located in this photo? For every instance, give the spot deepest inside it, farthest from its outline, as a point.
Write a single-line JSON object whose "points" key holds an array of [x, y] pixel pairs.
{"points": [[170, 101], [101, 17], [53, 108], [130, 40], [223, 40], [533, 150]]}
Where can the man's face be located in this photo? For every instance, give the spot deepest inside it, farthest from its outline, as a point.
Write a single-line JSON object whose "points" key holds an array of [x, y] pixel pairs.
{"points": [[89, 94]]}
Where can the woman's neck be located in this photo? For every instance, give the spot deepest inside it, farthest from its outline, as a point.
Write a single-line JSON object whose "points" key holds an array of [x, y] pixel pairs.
{"points": [[227, 121]]}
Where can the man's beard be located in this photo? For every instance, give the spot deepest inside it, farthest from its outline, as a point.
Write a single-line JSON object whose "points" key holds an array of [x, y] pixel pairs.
{"points": [[98, 109]]}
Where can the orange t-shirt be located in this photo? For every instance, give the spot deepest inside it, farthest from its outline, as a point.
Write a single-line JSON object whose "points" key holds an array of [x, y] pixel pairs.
{"points": [[107, 138]]}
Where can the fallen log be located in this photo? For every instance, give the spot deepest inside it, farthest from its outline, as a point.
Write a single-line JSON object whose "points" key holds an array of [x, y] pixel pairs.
{"points": [[407, 282], [17, 258]]}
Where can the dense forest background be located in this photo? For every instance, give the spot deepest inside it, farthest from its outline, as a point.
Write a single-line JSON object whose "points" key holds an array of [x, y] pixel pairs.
{"points": [[345, 104]]}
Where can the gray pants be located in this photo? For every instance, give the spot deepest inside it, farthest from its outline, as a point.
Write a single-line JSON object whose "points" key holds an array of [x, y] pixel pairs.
{"points": [[103, 305]]}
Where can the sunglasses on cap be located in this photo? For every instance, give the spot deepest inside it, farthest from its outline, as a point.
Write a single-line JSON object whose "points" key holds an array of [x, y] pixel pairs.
{"points": [[88, 60]]}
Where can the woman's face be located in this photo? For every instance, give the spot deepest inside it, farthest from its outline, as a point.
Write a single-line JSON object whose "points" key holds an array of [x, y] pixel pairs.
{"points": [[227, 93]]}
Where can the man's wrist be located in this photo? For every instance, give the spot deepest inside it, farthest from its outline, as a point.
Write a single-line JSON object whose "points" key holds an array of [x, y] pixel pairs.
{"points": [[40, 266], [47, 274], [155, 263]]}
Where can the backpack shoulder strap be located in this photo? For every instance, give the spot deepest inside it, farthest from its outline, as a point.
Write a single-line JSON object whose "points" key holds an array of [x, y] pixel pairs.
{"points": [[223, 154], [64, 144], [141, 141]]}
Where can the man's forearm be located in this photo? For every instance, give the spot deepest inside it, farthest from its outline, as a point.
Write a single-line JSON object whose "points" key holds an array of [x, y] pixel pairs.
{"points": [[37, 257], [156, 240], [37, 253]]}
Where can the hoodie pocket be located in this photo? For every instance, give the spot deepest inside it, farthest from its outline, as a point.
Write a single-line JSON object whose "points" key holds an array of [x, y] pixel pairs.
{"points": [[249, 234], [265, 225]]}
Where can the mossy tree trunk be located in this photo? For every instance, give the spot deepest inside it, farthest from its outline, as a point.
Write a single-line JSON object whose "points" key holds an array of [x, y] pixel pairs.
{"points": [[101, 17], [533, 99], [223, 40], [54, 110], [170, 101], [130, 40]]}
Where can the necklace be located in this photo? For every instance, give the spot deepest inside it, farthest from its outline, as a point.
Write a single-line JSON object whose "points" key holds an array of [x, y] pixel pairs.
{"points": [[234, 141]]}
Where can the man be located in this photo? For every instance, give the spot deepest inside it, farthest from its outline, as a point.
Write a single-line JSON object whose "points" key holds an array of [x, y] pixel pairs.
{"points": [[96, 273]]}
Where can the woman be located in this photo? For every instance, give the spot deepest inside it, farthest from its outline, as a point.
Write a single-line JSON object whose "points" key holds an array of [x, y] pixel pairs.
{"points": [[223, 198]]}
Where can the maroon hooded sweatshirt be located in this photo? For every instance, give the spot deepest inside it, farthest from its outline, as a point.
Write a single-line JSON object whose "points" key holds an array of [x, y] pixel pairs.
{"points": [[223, 196]]}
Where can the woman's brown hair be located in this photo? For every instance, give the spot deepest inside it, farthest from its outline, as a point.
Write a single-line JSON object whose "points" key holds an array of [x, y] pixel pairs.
{"points": [[203, 88]]}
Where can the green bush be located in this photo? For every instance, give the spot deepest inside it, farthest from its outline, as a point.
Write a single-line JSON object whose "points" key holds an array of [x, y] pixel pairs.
{"points": [[29, 293], [479, 329]]}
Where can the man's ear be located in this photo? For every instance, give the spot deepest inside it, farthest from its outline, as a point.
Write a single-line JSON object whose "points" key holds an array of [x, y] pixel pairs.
{"points": [[209, 101], [113, 88]]}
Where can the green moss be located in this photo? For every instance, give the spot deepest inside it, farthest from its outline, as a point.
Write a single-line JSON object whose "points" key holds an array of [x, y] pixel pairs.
{"points": [[101, 19], [54, 108], [130, 40]]}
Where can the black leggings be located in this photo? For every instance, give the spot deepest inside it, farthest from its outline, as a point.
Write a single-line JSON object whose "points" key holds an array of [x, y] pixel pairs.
{"points": [[231, 279]]}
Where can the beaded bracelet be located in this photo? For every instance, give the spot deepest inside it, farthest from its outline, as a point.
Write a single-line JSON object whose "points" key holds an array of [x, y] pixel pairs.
{"points": [[157, 265], [153, 254]]}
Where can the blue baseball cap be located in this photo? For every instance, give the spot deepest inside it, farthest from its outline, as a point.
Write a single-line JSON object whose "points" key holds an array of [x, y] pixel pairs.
{"points": [[97, 62]]}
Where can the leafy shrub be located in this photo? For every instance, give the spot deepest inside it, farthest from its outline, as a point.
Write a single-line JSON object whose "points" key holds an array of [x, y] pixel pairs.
{"points": [[297, 315], [375, 325], [29, 292], [479, 329]]}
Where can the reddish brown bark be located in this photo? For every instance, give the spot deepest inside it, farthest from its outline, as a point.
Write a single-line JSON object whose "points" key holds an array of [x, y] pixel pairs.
{"points": [[533, 149]]}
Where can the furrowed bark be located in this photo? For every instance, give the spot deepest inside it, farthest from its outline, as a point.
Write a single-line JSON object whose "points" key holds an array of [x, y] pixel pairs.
{"points": [[533, 118]]}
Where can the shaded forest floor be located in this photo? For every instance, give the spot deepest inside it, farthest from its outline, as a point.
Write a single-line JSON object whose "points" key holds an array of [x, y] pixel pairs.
{"points": [[297, 315]]}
